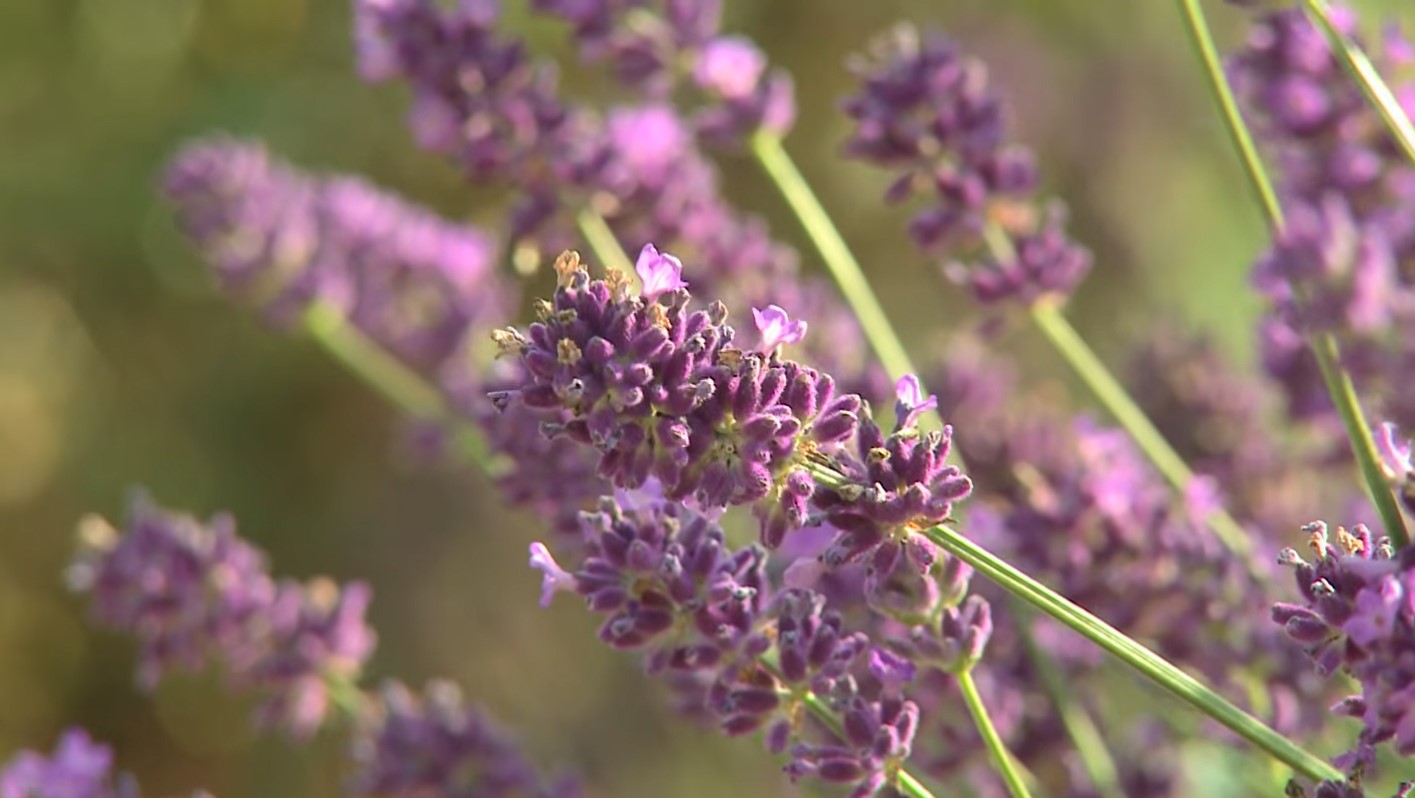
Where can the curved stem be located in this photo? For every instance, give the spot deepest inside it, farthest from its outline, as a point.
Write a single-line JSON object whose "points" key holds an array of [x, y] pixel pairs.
{"points": [[1002, 759], [1149, 664], [1113, 396], [1324, 345], [1367, 78], [841, 262]]}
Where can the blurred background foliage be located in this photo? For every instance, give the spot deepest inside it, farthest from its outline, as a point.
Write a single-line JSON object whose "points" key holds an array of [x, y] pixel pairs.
{"points": [[119, 365]]}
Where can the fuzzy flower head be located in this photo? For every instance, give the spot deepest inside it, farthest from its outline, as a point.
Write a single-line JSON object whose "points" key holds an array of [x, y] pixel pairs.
{"points": [[412, 745], [777, 328], [660, 392], [730, 66]]}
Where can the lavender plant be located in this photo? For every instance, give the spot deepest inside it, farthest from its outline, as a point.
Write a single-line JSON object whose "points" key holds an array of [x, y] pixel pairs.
{"points": [[638, 411]]}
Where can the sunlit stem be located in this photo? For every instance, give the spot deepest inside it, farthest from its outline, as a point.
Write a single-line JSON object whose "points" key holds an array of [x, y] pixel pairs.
{"points": [[1324, 345], [400, 385], [1367, 77], [1002, 760], [836, 254]]}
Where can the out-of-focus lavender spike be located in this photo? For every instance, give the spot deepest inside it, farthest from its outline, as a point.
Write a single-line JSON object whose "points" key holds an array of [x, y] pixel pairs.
{"points": [[413, 745], [656, 48], [411, 281], [78, 768], [193, 593], [928, 111], [1342, 263]]}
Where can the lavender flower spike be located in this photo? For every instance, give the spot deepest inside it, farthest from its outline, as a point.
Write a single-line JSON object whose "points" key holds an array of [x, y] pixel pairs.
{"points": [[777, 328], [78, 768], [191, 593], [413, 746]]}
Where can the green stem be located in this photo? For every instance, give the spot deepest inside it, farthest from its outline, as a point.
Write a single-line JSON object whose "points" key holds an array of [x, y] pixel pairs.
{"points": [[841, 262], [1111, 394], [1148, 663], [1367, 77], [1002, 759], [400, 385], [1238, 132], [1324, 345], [1080, 727], [604, 243]]}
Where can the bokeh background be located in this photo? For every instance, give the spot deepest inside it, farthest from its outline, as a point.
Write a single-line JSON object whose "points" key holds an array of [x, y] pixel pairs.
{"points": [[121, 366]]}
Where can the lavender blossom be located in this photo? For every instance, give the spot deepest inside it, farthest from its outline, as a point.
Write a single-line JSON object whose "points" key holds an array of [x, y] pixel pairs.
{"points": [[896, 483], [1356, 617], [193, 593], [78, 768], [1341, 264], [655, 48], [659, 391], [412, 282], [927, 110], [413, 745]]}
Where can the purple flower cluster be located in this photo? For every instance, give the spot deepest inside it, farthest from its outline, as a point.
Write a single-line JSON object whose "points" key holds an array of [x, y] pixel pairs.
{"points": [[704, 616], [193, 593], [78, 768], [1341, 264], [927, 110], [412, 746], [659, 391], [1356, 617], [656, 48], [409, 280], [637, 167]]}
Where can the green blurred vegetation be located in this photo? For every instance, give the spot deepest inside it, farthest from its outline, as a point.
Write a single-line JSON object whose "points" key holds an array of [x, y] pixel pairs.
{"points": [[120, 366]]}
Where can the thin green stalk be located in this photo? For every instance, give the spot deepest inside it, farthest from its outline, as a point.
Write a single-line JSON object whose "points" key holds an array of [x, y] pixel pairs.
{"points": [[1113, 396], [1080, 727], [1002, 759], [604, 243], [1238, 132], [1148, 663], [1367, 77], [400, 385], [1324, 345], [846, 270]]}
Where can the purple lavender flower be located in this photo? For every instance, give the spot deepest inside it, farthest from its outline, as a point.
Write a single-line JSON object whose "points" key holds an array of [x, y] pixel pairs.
{"points": [[78, 768], [1341, 265], [655, 48], [659, 273], [777, 328], [927, 110], [896, 483], [659, 392], [412, 282], [1357, 616], [413, 745], [191, 593]]}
